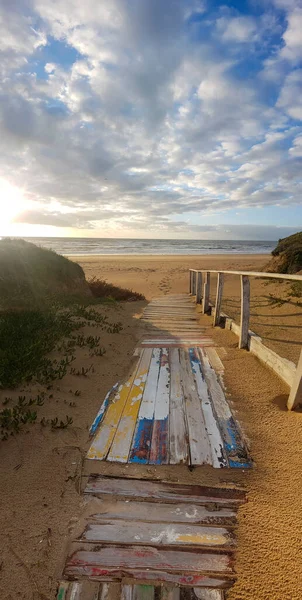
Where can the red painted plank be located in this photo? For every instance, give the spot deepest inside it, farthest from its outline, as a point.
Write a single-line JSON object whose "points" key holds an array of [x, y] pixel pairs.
{"points": [[146, 557]]}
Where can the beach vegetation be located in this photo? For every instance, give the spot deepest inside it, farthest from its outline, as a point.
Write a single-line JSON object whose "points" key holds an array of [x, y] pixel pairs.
{"points": [[287, 256]]}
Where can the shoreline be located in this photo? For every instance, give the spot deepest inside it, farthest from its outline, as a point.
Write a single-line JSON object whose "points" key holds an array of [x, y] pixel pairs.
{"points": [[176, 256]]}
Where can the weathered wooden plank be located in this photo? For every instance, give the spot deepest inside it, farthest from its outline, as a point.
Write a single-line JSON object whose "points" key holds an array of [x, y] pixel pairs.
{"points": [[127, 592], [159, 534], [199, 288], [159, 451], [220, 280], [208, 594], [110, 591], [219, 458], [104, 436], [206, 293], [189, 593], [100, 414], [143, 434], [200, 452], [100, 574], [177, 435], [121, 443], [143, 592], [193, 283], [295, 396], [170, 593], [75, 592], [130, 558], [215, 361], [234, 445], [258, 274], [164, 513], [159, 491], [62, 590], [245, 312]]}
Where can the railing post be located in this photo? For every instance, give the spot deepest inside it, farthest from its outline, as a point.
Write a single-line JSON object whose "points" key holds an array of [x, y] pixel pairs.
{"points": [[220, 280], [194, 284], [245, 312], [199, 287], [206, 293], [295, 396], [190, 281]]}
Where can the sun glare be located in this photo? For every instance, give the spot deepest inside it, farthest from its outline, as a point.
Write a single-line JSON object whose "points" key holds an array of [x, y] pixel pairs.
{"points": [[11, 202]]}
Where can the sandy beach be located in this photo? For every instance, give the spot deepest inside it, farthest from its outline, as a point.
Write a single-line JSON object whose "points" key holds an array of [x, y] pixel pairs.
{"points": [[40, 469], [279, 324]]}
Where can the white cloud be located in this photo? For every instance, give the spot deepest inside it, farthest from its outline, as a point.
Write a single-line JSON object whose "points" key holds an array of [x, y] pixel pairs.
{"points": [[147, 123], [290, 98]]}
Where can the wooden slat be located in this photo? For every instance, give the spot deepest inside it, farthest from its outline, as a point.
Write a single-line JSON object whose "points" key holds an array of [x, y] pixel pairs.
{"points": [[199, 288], [169, 593], [141, 444], [127, 592], [245, 312], [143, 592], [62, 590], [177, 435], [206, 293], [168, 492], [295, 396], [103, 438], [110, 591], [100, 414], [215, 361], [159, 451], [133, 558], [100, 574], [219, 458], [159, 534], [89, 590], [233, 443], [208, 594], [120, 447], [219, 291], [164, 513], [200, 452]]}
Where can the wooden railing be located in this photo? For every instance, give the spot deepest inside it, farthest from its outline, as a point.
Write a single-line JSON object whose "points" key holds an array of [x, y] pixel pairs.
{"points": [[201, 289]]}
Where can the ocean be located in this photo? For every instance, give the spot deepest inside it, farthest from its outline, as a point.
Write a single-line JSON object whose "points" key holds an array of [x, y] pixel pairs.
{"points": [[86, 246]]}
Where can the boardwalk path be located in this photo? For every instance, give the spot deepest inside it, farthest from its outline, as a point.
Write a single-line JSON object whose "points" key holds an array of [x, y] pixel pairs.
{"points": [[143, 539]]}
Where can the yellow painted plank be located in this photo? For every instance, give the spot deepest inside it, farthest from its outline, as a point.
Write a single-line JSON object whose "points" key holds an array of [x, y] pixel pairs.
{"points": [[104, 436], [123, 436]]}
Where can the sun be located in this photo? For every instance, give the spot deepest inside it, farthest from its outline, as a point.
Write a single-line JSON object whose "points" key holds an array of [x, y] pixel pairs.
{"points": [[11, 202]]}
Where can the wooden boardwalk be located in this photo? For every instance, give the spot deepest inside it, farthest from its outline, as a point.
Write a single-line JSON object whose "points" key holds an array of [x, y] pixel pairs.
{"points": [[145, 539], [172, 409], [142, 539]]}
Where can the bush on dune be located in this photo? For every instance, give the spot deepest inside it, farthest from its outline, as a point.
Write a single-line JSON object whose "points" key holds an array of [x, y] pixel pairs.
{"points": [[31, 276], [287, 256], [102, 289]]}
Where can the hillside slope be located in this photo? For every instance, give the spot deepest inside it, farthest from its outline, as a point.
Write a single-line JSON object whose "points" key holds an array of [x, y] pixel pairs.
{"points": [[287, 256], [30, 275]]}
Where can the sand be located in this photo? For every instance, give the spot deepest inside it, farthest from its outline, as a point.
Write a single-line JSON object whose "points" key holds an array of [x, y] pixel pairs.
{"points": [[40, 469], [278, 325]]}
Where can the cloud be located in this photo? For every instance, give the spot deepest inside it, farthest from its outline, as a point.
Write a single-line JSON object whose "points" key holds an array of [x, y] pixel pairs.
{"points": [[131, 114]]}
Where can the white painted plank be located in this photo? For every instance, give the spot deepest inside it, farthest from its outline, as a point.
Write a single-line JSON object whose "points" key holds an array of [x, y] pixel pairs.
{"points": [[178, 437], [200, 452], [215, 360], [209, 594], [216, 443], [159, 453]]}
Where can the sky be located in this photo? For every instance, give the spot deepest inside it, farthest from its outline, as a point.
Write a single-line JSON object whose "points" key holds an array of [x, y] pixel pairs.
{"points": [[151, 118]]}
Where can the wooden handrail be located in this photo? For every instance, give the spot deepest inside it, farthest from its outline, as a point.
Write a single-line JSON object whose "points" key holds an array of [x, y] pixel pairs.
{"points": [[244, 333], [252, 274]]}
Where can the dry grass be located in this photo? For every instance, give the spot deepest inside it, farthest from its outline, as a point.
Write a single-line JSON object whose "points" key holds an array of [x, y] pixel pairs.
{"points": [[100, 288]]}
